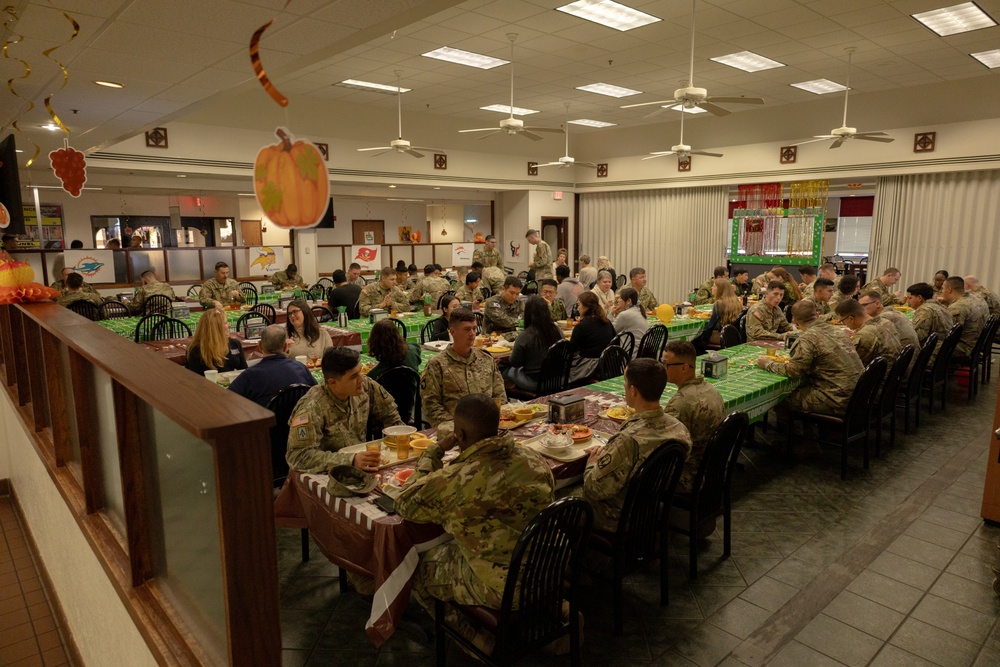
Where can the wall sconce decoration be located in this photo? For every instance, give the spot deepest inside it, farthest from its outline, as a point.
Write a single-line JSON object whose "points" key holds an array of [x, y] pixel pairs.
{"points": [[684, 164], [156, 138], [440, 161], [532, 169], [602, 170], [923, 142], [788, 154], [324, 150]]}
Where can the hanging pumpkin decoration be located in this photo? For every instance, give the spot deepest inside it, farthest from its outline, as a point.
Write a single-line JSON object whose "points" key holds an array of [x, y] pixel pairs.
{"points": [[4, 216], [290, 182], [15, 273], [16, 285], [479, 238]]}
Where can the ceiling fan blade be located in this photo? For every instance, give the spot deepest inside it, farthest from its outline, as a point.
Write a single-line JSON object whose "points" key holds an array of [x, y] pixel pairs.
{"points": [[587, 164], [382, 153], [428, 149], [487, 136], [839, 142], [550, 164], [545, 129], [706, 153], [646, 104], [378, 148], [656, 113], [530, 135], [713, 109], [870, 136], [812, 141], [652, 156], [482, 129], [412, 152], [735, 100]]}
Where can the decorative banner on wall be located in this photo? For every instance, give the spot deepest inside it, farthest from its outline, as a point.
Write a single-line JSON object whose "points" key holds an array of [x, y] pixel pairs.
{"points": [[96, 266], [461, 253], [368, 256], [514, 252], [405, 234], [270, 260]]}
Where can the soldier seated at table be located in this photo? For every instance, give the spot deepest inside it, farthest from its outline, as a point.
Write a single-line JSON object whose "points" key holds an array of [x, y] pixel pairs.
{"points": [[74, 291], [547, 289], [883, 287], [973, 285], [334, 415], [220, 290], [872, 304], [274, 372], [502, 312], [432, 285], [637, 281], [61, 283], [460, 370], [343, 293], [288, 279], [766, 320], [469, 291], [969, 311], [484, 499], [609, 468], [705, 293], [822, 293], [873, 337], [741, 283], [928, 315], [697, 404], [383, 294], [150, 287]]}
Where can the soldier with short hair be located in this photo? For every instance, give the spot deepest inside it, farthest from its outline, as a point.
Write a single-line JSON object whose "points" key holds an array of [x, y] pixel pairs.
{"points": [[542, 261], [150, 287], [705, 294], [966, 310], [928, 315], [829, 271], [765, 320], [547, 289], [383, 293], [220, 290], [637, 281], [61, 283], [883, 287], [822, 293], [904, 330], [432, 284], [470, 290], [288, 279], [873, 337], [354, 275], [808, 274], [492, 263], [973, 285], [502, 312], [74, 292], [741, 283]]}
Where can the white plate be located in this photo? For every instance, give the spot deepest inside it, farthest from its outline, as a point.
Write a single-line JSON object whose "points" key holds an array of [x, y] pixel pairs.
{"points": [[574, 452]]}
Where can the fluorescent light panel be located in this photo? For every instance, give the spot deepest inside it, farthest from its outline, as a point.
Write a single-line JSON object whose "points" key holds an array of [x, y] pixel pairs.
{"points": [[608, 13], [608, 89], [820, 86], [368, 85], [955, 19], [505, 108], [461, 57], [110, 84], [591, 123], [748, 61], [989, 58]]}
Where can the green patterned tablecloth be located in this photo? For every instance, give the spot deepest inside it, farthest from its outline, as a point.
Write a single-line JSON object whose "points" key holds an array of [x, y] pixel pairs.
{"points": [[745, 387], [414, 323], [425, 356], [125, 326]]}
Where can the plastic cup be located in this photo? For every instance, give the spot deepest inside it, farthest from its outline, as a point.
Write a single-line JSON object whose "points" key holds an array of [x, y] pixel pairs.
{"points": [[402, 447], [212, 375], [375, 446]]}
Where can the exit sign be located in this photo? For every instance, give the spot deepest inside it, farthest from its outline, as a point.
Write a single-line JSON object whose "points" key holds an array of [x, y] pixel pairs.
{"points": [[557, 195]]}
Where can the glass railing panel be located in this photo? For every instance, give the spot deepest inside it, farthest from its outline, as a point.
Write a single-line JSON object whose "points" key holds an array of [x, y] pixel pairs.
{"points": [[145, 260], [184, 265], [107, 445], [209, 256]]}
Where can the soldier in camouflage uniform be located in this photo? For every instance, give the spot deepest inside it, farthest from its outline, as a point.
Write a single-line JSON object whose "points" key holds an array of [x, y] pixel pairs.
{"points": [[334, 415], [973, 285], [966, 310], [150, 287], [824, 359], [542, 261], [432, 284], [766, 321], [503, 311], [904, 330], [61, 283], [705, 294], [354, 275], [697, 404], [883, 286], [470, 290], [288, 279], [383, 294], [484, 499], [610, 468], [760, 282], [459, 370], [928, 315], [488, 255], [220, 290], [822, 292], [873, 337], [829, 271], [808, 283], [75, 292], [845, 289], [547, 289], [741, 283], [637, 278]]}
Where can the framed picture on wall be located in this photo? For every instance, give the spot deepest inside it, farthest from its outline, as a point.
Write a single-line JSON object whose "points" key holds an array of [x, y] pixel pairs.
{"points": [[830, 225]]}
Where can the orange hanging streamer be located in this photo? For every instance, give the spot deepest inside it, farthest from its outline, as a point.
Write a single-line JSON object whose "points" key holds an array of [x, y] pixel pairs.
{"points": [[258, 66]]}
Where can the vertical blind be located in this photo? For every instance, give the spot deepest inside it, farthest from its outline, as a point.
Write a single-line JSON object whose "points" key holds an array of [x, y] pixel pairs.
{"points": [[677, 235], [927, 222]]}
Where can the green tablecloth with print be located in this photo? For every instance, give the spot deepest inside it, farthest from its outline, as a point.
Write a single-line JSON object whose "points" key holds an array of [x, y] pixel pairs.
{"points": [[125, 326], [745, 387], [425, 356], [414, 323]]}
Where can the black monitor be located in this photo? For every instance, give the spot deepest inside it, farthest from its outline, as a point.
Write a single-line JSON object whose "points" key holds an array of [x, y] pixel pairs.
{"points": [[10, 186], [328, 218]]}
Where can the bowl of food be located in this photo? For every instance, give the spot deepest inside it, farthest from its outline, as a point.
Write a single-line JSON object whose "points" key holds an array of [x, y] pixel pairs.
{"points": [[556, 443], [418, 445], [523, 414], [577, 432], [390, 433], [403, 475]]}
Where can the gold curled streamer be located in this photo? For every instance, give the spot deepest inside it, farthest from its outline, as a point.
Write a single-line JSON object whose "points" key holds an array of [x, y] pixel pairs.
{"points": [[258, 66], [12, 13], [48, 54]]}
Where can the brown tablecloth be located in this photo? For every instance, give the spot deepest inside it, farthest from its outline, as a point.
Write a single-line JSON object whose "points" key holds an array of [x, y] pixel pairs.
{"points": [[342, 337], [175, 349]]}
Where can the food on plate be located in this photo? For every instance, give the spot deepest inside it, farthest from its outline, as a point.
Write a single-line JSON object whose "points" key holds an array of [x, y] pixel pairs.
{"points": [[403, 475], [576, 431], [509, 423], [620, 412], [366, 367], [556, 442], [496, 349]]}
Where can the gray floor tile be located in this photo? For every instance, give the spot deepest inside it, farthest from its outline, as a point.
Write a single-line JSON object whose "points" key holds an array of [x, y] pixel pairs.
{"points": [[817, 552], [839, 641], [893, 656], [938, 646], [935, 534], [905, 570], [972, 568], [795, 572], [739, 618], [968, 593], [769, 593], [795, 654], [955, 618], [988, 657], [949, 519], [981, 547], [921, 551], [712, 598], [753, 569], [865, 615], [885, 591], [707, 645]]}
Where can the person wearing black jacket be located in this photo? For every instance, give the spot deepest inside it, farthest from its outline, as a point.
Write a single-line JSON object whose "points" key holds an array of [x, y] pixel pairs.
{"points": [[532, 344], [344, 294]]}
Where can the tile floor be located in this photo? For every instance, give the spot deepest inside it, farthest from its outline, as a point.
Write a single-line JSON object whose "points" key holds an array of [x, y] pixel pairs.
{"points": [[891, 567]]}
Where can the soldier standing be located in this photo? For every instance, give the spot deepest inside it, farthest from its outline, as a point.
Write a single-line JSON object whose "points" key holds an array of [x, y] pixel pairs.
{"points": [[542, 262]]}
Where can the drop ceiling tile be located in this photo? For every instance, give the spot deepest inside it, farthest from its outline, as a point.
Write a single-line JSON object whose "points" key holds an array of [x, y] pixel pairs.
{"points": [[240, 62], [441, 36], [188, 94], [122, 39], [868, 15], [760, 7], [808, 29], [113, 66], [790, 16], [102, 8], [510, 10], [219, 18]]}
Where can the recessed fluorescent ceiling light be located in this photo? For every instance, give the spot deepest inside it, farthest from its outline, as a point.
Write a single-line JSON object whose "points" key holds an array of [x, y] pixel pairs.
{"points": [[989, 58], [608, 89], [505, 108], [681, 107], [955, 19], [591, 123], [820, 86], [609, 13], [748, 61], [367, 85], [465, 58]]}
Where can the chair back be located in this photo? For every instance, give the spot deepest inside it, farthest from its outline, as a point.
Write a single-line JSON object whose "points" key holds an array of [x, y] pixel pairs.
{"points": [[485, 291], [427, 331], [730, 336], [325, 282], [282, 405], [158, 303], [250, 317], [612, 363], [547, 555], [788, 312], [523, 275], [403, 384], [144, 328], [323, 314], [450, 292], [984, 339], [530, 287], [859, 408], [401, 324], [890, 388], [626, 341], [715, 472], [267, 310], [317, 292], [480, 318], [194, 291], [652, 343], [939, 371], [169, 327], [554, 376], [249, 291], [620, 282], [111, 310], [574, 312], [87, 309], [923, 358], [741, 325]]}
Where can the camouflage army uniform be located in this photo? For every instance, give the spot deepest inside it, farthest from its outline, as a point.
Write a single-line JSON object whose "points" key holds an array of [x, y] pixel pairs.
{"points": [[992, 302], [829, 367], [823, 308], [359, 281], [70, 297], [281, 281], [435, 286], [932, 317], [542, 262], [742, 290], [705, 293], [904, 330], [463, 293], [760, 282], [61, 286], [807, 291], [766, 323], [884, 293], [488, 257], [877, 338], [493, 278], [151, 289], [971, 313], [698, 406], [646, 298], [557, 309], [213, 290], [605, 480], [500, 316], [322, 425], [373, 294], [449, 376]]}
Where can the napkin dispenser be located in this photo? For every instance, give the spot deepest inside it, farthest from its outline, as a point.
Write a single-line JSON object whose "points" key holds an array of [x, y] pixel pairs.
{"points": [[467, 305], [267, 289], [376, 314], [181, 312], [714, 365], [683, 308], [567, 409]]}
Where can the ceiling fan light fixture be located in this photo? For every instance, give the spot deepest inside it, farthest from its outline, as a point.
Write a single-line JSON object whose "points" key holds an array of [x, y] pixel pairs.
{"points": [[468, 58], [748, 61], [681, 107], [989, 58], [372, 87], [819, 86], [587, 122], [609, 90], [507, 109], [609, 13], [955, 19]]}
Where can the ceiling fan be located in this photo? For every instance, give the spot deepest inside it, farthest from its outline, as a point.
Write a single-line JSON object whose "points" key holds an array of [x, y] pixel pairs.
{"points": [[690, 97], [681, 150], [843, 133], [513, 125], [400, 145], [566, 160]]}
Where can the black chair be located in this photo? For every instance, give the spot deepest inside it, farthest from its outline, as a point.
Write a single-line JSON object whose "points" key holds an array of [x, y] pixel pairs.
{"points": [[282, 405], [168, 328], [911, 387], [612, 363], [437, 305], [741, 325], [323, 314], [729, 337], [788, 312], [989, 350], [937, 374], [325, 282], [249, 291], [523, 275], [531, 287], [855, 425], [574, 312], [884, 406], [974, 360], [554, 376], [403, 384], [485, 291], [248, 318], [87, 309], [480, 318], [626, 341], [144, 328], [621, 282], [111, 310], [401, 324], [317, 292], [266, 310], [652, 343], [194, 291], [544, 570], [643, 527], [158, 303], [427, 331], [695, 513]]}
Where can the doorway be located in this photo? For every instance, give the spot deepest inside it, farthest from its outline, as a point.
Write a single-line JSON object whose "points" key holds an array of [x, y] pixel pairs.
{"points": [[555, 232], [368, 232], [250, 232]]}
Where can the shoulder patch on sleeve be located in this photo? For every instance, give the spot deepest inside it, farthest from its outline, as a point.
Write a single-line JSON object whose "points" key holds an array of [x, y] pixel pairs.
{"points": [[302, 433], [301, 419], [604, 460]]}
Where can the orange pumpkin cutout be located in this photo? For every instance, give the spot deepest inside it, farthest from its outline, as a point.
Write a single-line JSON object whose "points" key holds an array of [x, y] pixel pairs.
{"points": [[4, 217], [291, 183]]}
